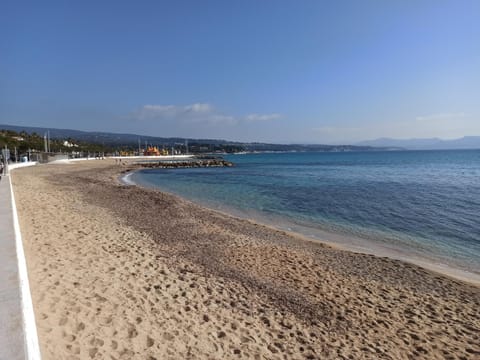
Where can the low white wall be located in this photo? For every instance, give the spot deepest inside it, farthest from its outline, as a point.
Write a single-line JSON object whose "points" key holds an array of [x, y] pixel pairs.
{"points": [[14, 166], [81, 159], [32, 347], [162, 157]]}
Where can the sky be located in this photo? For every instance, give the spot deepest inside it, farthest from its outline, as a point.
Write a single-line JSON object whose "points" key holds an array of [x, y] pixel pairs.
{"points": [[300, 71]]}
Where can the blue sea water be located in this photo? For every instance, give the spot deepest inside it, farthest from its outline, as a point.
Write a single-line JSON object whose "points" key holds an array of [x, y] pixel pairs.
{"points": [[414, 204]]}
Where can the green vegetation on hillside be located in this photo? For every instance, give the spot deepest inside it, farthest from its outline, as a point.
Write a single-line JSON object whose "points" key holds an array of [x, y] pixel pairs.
{"points": [[82, 143], [26, 143]]}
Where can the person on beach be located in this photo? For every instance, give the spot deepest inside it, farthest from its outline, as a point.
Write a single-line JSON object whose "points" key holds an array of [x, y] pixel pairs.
{"points": [[1, 169]]}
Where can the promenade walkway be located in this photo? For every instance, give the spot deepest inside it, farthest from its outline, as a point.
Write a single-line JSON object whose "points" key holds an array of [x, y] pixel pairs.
{"points": [[18, 335], [11, 321]]}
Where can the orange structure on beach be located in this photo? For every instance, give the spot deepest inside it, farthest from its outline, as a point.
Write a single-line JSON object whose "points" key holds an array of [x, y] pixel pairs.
{"points": [[154, 151]]}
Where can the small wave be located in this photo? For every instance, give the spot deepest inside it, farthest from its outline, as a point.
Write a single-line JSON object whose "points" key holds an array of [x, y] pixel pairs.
{"points": [[126, 179]]}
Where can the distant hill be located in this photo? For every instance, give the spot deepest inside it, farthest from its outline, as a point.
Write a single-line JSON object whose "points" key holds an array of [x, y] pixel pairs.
{"points": [[466, 142], [110, 139], [131, 140]]}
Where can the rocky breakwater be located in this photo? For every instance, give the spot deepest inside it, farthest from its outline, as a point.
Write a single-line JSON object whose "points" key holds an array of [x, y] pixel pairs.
{"points": [[193, 163]]}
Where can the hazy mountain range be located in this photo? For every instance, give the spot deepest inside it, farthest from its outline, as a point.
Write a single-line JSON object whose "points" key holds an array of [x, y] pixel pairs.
{"points": [[466, 142]]}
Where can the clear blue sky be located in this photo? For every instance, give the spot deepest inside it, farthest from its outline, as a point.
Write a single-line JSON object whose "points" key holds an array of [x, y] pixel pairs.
{"points": [[280, 71]]}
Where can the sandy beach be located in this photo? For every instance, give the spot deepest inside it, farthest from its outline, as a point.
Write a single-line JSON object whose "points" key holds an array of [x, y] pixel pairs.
{"points": [[121, 272]]}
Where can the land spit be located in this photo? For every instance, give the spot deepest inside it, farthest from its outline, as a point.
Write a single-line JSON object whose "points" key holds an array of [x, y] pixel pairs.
{"points": [[121, 272]]}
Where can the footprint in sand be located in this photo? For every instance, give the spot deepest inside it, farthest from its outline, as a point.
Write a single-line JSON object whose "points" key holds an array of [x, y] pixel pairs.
{"points": [[70, 337], [150, 341], [167, 336], [92, 352], [132, 332]]}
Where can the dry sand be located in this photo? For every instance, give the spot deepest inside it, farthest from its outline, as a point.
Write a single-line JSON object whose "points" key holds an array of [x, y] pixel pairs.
{"points": [[119, 272]]}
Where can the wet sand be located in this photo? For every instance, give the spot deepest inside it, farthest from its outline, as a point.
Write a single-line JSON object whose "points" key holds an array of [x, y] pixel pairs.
{"points": [[120, 272]]}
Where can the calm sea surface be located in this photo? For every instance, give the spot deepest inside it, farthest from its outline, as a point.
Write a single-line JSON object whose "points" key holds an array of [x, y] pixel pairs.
{"points": [[422, 205]]}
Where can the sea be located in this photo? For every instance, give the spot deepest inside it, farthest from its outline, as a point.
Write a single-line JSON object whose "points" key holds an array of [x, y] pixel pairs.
{"points": [[418, 206]]}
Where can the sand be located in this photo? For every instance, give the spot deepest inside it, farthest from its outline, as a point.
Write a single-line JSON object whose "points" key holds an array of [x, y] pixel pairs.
{"points": [[120, 272]]}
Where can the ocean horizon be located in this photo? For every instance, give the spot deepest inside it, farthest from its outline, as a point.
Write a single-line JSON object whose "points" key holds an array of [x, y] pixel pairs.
{"points": [[419, 206]]}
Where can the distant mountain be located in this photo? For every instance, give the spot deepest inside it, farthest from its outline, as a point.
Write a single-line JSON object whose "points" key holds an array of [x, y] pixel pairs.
{"points": [[466, 142], [114, 140]]}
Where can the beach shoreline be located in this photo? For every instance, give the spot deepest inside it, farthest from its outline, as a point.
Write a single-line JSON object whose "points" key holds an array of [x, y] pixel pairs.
{"points": [[336, 240], [129, 272]]}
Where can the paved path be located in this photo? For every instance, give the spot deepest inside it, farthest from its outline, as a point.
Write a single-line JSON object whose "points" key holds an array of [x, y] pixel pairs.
{"points": [[12, 342]]}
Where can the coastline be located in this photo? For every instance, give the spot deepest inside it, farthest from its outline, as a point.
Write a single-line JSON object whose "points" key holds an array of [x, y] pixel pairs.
{"points": [[130, 272], [335, 240]]}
